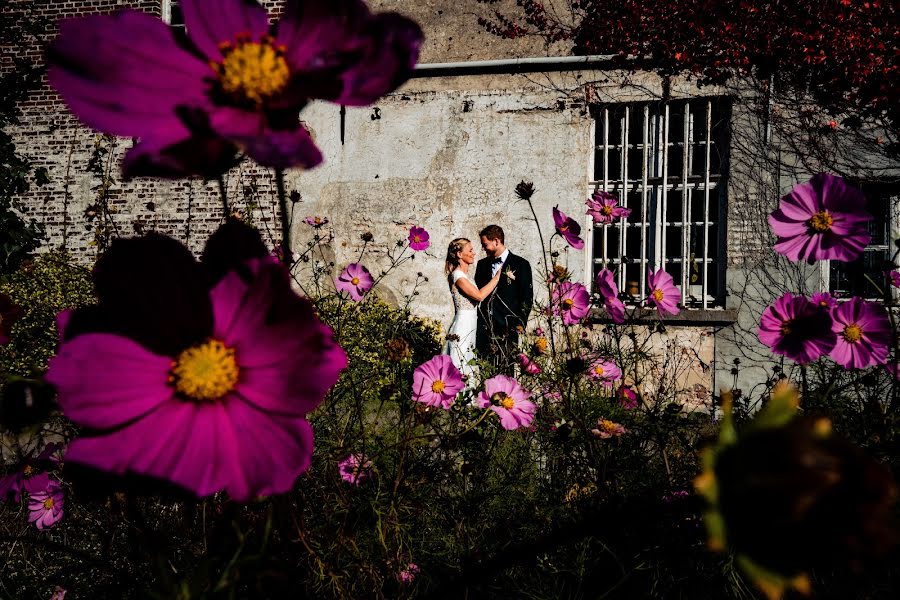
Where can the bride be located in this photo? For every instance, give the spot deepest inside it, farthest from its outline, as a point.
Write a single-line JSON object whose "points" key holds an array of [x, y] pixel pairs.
{"points": [[466, 296]]}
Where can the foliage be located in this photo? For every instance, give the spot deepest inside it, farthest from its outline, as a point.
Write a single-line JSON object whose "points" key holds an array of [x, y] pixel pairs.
{"points": [[44, 287], [843, 53]]}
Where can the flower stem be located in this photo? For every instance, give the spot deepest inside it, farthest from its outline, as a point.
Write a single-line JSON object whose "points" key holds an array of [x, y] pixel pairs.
{"points": [[285, 222], [223, 193]]}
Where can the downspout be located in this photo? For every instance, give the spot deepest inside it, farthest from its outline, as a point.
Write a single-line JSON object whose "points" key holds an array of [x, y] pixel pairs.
{"points": [[516, 65]]}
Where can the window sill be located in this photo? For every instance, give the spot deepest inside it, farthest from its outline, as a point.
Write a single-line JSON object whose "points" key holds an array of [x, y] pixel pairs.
{"points": [[686, 318]]}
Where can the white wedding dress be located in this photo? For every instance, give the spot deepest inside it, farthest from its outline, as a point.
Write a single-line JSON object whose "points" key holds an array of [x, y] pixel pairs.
{"points": [[461, 336]]}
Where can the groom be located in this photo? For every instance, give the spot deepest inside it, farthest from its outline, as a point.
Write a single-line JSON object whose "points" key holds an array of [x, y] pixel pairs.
{"points": [[506, 309]]}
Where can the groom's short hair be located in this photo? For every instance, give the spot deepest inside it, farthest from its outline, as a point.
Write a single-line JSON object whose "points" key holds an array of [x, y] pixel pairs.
{"points": [[493, 232]]}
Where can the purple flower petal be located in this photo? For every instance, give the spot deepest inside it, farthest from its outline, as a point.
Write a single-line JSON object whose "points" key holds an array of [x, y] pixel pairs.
{"points": [[126, 381], [124, 74], [210, 23]]}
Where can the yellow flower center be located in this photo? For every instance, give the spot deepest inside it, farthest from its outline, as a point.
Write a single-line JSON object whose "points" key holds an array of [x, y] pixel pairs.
{"points": [[355, 281], [416, 239], [607, 210], [787, 327], [852, 333], [318, 220], [205, 372], [253, 71], [541, 344], [598, 370], [437, 387], [607, 426], [501, 399], [658, 295], [567, 304], [48, 503], [27, 471], [821, 222]]}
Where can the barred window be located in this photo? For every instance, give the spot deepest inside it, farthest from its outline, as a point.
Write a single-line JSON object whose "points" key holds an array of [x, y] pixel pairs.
{"points": [[668, 163], [860, 277], [171, 13]]}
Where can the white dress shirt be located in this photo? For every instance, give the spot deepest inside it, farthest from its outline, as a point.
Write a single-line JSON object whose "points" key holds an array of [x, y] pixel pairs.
{"points": [[497, 266]]}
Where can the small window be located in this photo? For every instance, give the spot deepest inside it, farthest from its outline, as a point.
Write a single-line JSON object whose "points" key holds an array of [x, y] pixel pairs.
{"points": [[171, 13], [667, 162], [860, 277]]}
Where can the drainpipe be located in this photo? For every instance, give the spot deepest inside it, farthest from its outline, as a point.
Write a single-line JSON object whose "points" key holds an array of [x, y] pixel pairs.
{"points": [[517, 65]]}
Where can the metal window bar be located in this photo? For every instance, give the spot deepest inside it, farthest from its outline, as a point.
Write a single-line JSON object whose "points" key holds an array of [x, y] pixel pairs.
{"points": [[706, 169], [654, 184], [645, 167], [623, 194]]}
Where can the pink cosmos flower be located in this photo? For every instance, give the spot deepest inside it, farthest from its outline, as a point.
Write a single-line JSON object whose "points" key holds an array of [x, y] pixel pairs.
{"points": [[45, 507], [316, 221], [509, 400], [233, 83], [355, 469], [58, 593], [9, 314], [863, 334], [796, 328], [409, 574], [571, 301], [604, 208], [628, 398], [824, 300], [30, 475], [823, 219], [604, 371], [664, 294], [607, 429], [568, 228], [436, 382], [528, 365], [895, 278], [356, 280], [418, 238], [606, 287], [208, 369]]}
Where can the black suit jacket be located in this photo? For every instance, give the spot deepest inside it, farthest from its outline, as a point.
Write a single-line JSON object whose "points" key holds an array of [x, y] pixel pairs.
{"points": [[508, 306]]}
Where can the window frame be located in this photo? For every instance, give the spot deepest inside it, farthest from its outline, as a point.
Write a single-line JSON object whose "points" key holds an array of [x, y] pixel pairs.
{"points": [[654, 141]]}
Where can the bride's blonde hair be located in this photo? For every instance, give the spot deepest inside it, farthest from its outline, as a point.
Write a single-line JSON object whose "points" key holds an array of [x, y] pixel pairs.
{"points": [[453, 249]]}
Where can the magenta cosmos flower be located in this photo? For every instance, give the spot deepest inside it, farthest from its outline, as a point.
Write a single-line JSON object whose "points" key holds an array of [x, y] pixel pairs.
{"points": [[45, 507], [795, 327], [9, 314], [628, 398], [568, 228], [604, 208], [232, 83], [509, 400], [609, 292], [316, 221], [409, 574], [824, 300], [608, 429], [30, 474], [821, 220], [863, 332], [355, 469], [895, 278], [418, 238], [196, 374], [356, 280], [664, 294], [528, 365], [571, 301], [437, 381], [604, 371]]}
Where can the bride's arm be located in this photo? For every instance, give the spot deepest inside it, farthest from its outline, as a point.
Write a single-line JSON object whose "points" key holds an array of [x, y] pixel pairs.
{"points": [[473, 293]]}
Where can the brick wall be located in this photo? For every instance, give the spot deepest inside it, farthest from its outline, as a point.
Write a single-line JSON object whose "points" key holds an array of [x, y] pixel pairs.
{"points": [[51, 137]]}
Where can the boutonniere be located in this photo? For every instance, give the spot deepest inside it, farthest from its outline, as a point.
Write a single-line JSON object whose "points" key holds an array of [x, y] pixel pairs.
{"points": [[510, 274]]}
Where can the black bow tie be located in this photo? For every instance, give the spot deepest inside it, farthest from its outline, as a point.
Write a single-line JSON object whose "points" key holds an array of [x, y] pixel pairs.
{"points": [[496, 261]]}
